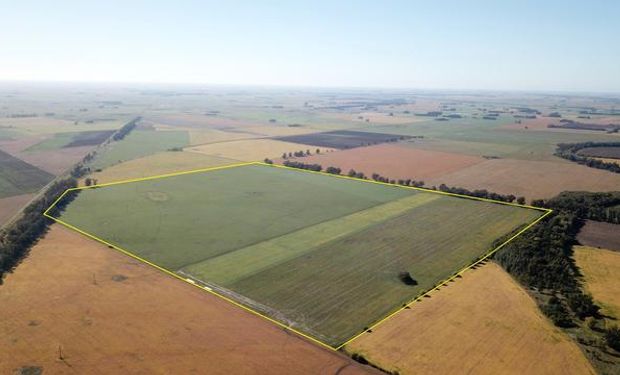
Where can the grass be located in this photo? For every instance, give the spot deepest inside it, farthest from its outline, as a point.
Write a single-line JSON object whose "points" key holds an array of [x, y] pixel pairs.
{"points": [[319, 253], [18, 177], [210, 214], [140, 143]]}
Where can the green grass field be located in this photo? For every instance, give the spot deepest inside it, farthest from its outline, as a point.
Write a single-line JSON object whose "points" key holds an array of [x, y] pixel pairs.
{"points": [[319, 253]]}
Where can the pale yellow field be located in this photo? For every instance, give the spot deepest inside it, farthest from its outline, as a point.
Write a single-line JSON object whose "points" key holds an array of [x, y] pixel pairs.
{"points": [[484, 323], [45, 125], [601, 272], [201, 137], [252, 149], [161, 163]]}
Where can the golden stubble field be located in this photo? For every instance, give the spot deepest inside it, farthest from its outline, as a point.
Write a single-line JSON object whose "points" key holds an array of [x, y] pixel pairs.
{"points": [[108, 313], [484, 323]]}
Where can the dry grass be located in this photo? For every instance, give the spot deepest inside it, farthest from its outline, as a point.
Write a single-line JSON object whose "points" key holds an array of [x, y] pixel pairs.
{"points": [[9, 206], [601, 273], [161, 163], [250, 150], [484, 323], [532, 179], [111, 314]]}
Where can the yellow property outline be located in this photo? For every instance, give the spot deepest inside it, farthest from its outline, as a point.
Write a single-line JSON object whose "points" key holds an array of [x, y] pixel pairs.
{"points": [[209, 290]]}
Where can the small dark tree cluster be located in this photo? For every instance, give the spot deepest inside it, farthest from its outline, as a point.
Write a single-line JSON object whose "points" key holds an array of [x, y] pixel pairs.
{"points": [[333, 170], [353, 173], [479, 193], [300, 165]]}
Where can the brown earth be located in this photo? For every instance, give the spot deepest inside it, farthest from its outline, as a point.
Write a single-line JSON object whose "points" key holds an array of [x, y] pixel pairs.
{"points": [[11, 205], [56, 161], [531, 179], [599, 234], [107, 313], [395, 162], [484, 323], [15, 146], [601, 273]]}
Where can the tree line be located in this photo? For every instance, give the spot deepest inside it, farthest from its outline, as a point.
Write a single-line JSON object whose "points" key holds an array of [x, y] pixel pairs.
{"points": [[18, 237], [569, 151], [541, 259], [478, 193]]}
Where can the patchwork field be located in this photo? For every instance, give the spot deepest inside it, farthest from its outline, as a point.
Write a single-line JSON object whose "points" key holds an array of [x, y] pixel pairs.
{"points": [[251, 149], [484, 323], [111, 314], [18, 177], [600, 234], [342, 139], [601, 273], [140, 143], [395, 161], [531, 179], [322, 254], [64, 140]]}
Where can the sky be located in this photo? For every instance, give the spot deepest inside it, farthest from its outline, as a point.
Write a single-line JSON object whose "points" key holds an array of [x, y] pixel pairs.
{"points": [[493, 45]]}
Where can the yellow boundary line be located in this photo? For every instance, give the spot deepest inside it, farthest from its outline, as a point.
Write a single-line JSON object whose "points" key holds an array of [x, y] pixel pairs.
{"points": [[209, 290]]}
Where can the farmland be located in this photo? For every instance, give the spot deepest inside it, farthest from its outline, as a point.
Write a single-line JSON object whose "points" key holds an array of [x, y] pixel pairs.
{"points": [[600, 269], [112, 314], [18, 177], [483, 323], [250, 150], [311, 242], [601, 152], [342, 139], [600, 234], [396, 161]]}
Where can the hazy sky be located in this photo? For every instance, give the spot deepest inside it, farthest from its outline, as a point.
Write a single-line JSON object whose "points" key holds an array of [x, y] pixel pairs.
{"points": [[499, 44]]}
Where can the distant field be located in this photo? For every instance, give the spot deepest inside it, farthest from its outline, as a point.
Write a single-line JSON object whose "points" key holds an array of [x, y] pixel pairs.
{"points": [[341, 139], [65, 140], [318, 253], [601, 274], [600, 234], [395, 161], [18, 177], [9, 206], [251, 149], [484, 323], [141, 143], [156, 164], [531, 179], [601, 152]]}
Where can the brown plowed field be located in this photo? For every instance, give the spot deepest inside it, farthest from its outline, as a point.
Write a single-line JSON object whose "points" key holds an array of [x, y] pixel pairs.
{"points": [[531, 179], [394, 161], [599, 234], [484, 323], [9, 206], [111, 314]]}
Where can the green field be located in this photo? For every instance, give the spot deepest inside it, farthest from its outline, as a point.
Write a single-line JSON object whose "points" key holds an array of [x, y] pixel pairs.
{"points": [[318, 253], [140, 143], [18, 177]]}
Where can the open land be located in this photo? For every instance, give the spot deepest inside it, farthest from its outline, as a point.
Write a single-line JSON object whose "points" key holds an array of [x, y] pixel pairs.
{"points": [[600, 234], [601, 274], [251, 149], [18, 177], [111, 314], [484, 323], [395, 161], [349, 277]]}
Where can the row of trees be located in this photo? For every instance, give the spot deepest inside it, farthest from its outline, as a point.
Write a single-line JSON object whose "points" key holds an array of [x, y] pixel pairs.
{"points": [[569, 151], [541, 259], [126, 129], [299, 154], [17, 238], [479, 193]]}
